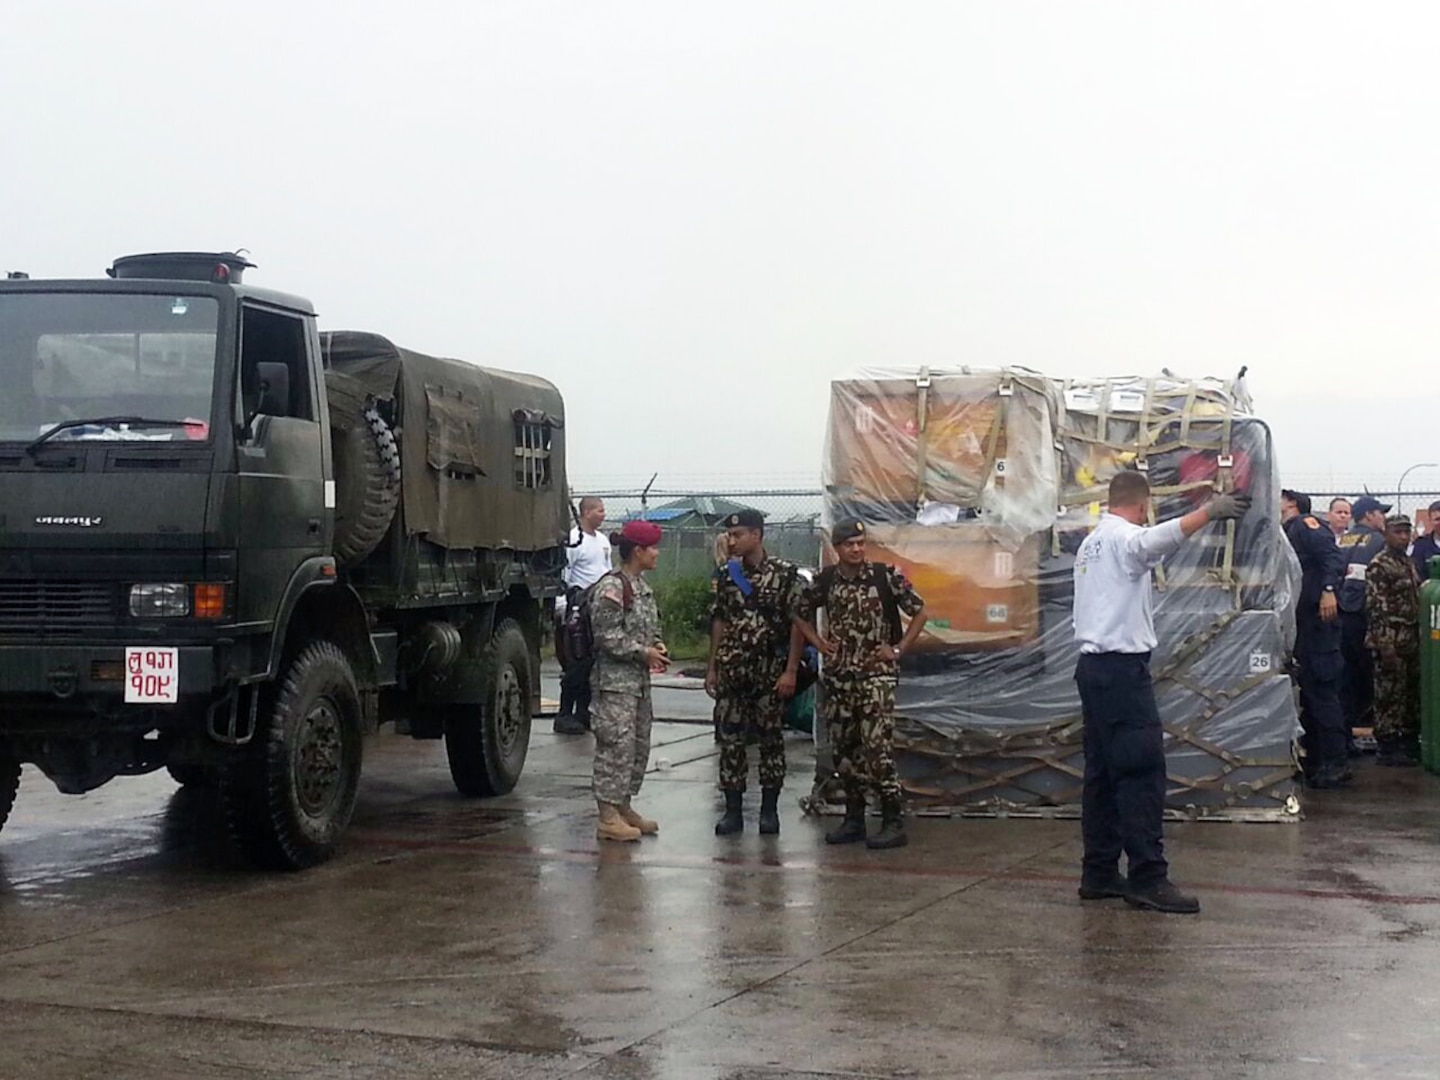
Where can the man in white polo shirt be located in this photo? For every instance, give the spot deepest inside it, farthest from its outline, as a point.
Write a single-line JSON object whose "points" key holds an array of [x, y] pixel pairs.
{"points": [[1123, 805], [587, 561]]}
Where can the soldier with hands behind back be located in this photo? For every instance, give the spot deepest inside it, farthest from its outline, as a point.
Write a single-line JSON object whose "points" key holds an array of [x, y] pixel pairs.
{"points": [[1392, 634], [754, 657]]}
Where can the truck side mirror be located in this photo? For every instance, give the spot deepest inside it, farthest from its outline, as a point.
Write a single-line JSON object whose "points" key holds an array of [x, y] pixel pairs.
{"points": [[274, 389]]}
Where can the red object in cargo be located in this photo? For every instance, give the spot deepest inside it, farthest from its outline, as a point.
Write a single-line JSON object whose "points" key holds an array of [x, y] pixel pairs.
{"points": [[1204, 465]]}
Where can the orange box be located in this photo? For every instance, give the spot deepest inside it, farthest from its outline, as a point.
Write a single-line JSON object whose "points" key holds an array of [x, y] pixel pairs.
{"points": [[978, 595], [875, 438]]}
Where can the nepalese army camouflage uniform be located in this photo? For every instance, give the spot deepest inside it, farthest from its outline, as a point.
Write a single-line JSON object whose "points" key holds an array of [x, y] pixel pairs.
{"points": [[860, 686], [1392, 610], [749, 658], [620, 711]]}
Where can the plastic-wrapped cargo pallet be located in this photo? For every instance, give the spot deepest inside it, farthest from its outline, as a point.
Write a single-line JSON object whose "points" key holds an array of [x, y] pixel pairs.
{"points": [[980, 485]]}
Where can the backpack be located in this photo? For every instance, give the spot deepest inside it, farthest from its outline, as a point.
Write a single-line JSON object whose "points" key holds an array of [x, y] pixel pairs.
{"points": [[578, 629], [880, 578]]}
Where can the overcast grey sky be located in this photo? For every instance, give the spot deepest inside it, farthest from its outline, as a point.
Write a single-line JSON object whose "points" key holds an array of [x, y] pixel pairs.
{"points": [[692, 216]]}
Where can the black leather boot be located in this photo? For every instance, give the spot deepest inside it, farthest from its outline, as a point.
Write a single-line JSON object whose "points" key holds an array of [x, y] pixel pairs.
{"points": [[852, 829], [769, 811], [732, 822], [892, 827]]}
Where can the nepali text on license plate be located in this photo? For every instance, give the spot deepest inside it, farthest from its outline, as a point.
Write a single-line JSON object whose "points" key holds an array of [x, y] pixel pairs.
{"points": [[152, 676]]}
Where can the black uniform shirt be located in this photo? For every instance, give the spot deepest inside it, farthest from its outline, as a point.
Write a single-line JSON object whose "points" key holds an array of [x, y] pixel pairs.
{"points": [[1322, 562], [1361, 544]]}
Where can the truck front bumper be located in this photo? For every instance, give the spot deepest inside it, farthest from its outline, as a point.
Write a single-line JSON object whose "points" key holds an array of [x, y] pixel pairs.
{"points": [[68, 671]]}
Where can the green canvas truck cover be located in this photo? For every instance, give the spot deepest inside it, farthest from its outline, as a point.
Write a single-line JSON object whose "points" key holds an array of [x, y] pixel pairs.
{"points": [[482, 451]]}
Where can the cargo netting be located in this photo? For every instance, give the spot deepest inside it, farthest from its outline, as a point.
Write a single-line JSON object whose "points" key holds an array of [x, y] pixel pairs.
{"points": [[980, 486]]}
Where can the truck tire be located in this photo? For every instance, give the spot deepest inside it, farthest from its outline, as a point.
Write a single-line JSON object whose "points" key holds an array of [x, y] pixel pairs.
{"points": [[367, 484], [9, 782], [289, 794], [487, 744]]}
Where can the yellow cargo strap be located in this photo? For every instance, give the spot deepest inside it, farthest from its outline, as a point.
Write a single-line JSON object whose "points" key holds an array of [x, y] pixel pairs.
{"points": [[922, 438]]}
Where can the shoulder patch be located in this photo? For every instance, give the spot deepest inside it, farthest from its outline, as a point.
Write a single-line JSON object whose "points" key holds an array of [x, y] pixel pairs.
{"points": [[1311, 523]]}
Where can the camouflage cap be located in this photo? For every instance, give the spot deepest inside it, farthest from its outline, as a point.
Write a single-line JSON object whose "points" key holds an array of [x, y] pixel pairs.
{"points": [[848, 529], [1393, 520], [745, 519]]}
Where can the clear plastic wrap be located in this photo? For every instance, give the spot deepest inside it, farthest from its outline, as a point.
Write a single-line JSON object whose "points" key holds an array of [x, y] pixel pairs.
{"points": [[981, 485]]}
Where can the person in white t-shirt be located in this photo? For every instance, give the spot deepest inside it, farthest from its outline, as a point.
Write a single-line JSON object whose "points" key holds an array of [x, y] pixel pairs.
{"points": [[1123, 798], [587, 561]]}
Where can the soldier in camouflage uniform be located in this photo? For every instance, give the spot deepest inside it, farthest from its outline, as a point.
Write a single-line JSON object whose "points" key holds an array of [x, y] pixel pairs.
{"points": [[862, 647], [1392, 613], [626, 630], [754, 655]]}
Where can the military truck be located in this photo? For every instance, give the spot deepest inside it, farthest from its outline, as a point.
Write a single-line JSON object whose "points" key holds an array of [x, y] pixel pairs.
{"points": [[231, 546]]}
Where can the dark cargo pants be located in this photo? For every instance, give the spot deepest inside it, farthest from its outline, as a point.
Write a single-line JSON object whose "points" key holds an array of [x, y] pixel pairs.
{"points": [[1123, 804], [1317, 653], [1357, 680], [861, 717], [1397, 694], [738, 719]]}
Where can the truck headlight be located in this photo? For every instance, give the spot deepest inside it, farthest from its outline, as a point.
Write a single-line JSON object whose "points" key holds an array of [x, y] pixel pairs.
{"points": [[159, 601]]}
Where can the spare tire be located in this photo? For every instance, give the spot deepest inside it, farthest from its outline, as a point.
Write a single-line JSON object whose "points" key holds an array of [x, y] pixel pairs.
{"points": [[367, 482]]}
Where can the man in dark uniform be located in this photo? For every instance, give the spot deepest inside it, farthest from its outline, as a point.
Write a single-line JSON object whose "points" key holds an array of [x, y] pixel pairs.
{"points": [[1428, 546], [1363, 542], [862, 646], [1317, 642], [1392, 610], [754, 658]]}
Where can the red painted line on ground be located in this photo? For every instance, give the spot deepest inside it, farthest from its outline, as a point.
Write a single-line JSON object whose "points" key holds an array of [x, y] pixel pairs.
{"points": [[879, 865]]}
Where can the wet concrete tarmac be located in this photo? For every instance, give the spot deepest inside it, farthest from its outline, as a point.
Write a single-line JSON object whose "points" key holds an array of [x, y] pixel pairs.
{"points": [[456, 938]]}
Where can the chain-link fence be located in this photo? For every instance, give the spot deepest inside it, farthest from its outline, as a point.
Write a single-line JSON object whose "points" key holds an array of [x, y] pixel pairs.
{"points": [[692, 519], [1414, 503], [692, 523]]}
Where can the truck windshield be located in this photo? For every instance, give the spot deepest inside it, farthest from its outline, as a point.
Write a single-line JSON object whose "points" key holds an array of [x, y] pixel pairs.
{"points": [[71, 357]]}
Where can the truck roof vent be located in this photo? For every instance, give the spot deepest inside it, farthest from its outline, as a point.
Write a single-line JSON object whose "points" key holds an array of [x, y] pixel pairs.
{"points": [[224, 267]]}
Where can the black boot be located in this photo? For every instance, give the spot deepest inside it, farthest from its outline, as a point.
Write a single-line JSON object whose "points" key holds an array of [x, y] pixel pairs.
{"points": [[852, 829], [892, 827], [569, 725], [769, 811], [1162, 896], [732, 822], [1113, 887], [1331, 776]]}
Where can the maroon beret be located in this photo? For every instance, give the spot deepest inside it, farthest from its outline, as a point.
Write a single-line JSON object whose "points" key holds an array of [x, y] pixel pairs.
{"points": [[644, 533]]}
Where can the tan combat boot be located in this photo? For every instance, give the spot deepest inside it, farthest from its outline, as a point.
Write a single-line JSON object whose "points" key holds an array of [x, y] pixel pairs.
{"points": [[612, 826], [644, 824]]}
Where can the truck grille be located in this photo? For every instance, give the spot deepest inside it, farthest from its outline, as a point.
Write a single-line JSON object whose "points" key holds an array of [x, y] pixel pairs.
{"points": [[56, 605]]}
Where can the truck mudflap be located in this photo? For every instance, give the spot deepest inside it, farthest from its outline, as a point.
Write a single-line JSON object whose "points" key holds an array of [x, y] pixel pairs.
{"points": [[145, 675]]}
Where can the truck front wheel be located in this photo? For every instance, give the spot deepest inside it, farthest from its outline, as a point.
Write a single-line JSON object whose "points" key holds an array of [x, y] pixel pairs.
{"points": [[9, 781], [289, 795], [487, 744]]}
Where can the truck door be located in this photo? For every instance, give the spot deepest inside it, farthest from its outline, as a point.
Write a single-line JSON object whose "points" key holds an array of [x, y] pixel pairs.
{"points": [[280, 456]]}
